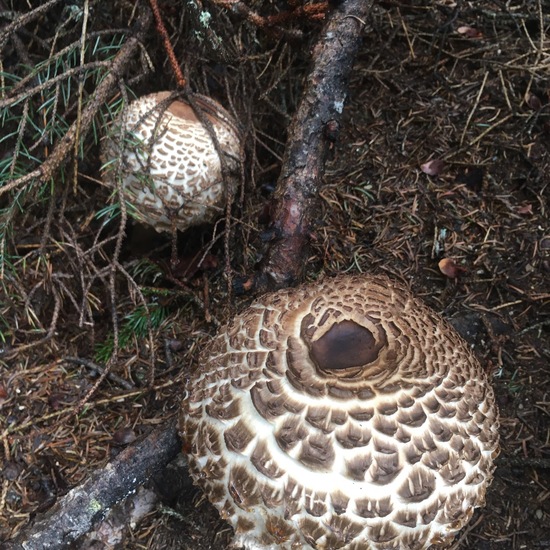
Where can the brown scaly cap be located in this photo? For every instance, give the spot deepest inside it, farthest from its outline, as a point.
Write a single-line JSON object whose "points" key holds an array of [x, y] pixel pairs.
{"points": [[170, 170], [343, 414]]}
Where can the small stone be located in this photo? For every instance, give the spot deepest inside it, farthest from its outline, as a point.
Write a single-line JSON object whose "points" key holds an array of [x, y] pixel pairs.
{"points": [[10, 471]]}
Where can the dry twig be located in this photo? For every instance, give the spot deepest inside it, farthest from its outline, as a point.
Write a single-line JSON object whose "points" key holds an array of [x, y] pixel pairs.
{"points": [[313, 131], [80, 127], [180, 80], [78, 511]]}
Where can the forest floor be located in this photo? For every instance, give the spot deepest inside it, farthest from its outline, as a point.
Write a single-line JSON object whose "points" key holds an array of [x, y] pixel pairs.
{"points": [[468, 88]]}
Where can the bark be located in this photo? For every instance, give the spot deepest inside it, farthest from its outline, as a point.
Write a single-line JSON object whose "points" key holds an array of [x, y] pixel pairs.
{"points": [[313, 131], [84, 506]]}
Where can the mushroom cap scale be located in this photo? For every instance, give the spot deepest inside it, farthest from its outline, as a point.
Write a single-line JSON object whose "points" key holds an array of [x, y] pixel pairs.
{"points": [[170, 170], [343, 414]]}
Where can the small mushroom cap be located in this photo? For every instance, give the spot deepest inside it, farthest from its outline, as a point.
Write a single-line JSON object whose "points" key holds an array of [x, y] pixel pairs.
{"points": [[342, 414], [170, 170]]}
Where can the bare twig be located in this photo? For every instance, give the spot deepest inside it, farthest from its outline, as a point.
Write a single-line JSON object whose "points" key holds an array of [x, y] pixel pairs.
{"points": [[19, 90], [113, 269], [65, 145], [526, 462], [313, 131], [272, 23], [180, 80], [84, 506], [100, 370], [49, 335], [23, 20]]}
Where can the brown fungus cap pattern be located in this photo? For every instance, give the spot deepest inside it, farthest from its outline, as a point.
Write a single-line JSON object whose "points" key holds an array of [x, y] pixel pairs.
{"points": [[170, 170], [344, 414]]}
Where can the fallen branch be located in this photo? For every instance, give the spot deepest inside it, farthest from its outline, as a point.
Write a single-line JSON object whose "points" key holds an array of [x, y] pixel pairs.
{"points": [[22, 20], [313, 131], [83, 507]]}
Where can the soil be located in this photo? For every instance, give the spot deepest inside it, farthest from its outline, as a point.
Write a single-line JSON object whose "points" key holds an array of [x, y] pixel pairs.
{"points": [[464, 85]]}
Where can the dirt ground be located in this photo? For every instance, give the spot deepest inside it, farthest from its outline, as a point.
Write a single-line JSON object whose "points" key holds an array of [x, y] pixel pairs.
{"points": [[466, 85]]}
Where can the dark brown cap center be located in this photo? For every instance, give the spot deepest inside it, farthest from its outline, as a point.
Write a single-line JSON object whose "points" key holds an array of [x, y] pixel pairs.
{"points": [[344, 346]]}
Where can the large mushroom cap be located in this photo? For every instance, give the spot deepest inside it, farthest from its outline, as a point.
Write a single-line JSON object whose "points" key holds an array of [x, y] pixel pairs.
{"points": [[170, 170], [344, 414]]}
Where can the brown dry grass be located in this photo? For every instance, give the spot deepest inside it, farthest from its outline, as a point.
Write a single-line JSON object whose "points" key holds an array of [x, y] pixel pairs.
{"points": [[420, 90]]}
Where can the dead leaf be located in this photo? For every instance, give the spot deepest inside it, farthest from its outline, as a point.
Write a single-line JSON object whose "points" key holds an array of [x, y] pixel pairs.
{"points": [[3, 394], [449, 268], [469, 32], [433, 167], [533, 101], [188, 266], [124, 436]]}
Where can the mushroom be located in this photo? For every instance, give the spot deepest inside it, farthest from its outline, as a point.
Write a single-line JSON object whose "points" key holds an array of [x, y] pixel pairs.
{"points": [[170, 170], [342, 414]]}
